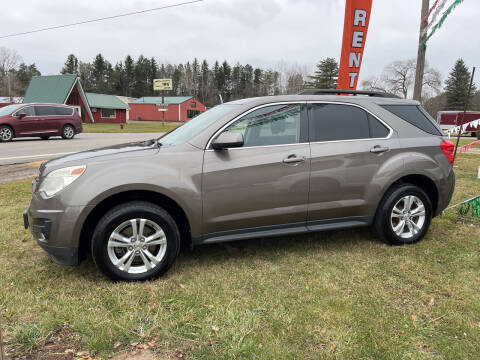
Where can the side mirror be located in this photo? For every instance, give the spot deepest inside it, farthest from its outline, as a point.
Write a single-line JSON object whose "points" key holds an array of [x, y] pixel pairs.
{"points": [[21, 115], [228, 140]]}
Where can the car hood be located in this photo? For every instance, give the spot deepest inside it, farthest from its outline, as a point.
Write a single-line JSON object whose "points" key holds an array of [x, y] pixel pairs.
{"points": [[108, 153]]}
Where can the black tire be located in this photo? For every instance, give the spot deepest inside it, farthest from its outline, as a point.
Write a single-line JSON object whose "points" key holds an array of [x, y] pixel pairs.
{"points": [[6, 133], [68, 132], [383, 223], [44, 137], [121, 214]]}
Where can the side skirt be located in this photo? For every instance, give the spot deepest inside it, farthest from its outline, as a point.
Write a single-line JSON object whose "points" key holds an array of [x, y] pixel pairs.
{"points": [[284, 229]]}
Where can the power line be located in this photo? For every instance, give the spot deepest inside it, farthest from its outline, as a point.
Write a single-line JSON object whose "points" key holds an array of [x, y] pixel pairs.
{"points": [[100, 19]]}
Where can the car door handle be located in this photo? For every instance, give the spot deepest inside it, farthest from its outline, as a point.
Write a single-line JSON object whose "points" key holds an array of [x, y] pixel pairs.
{"points": [[377, 149], [294, 159]]}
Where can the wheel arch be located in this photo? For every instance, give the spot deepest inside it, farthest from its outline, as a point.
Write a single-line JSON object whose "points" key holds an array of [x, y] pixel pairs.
{"points": [[166, 202], [422, 181]]}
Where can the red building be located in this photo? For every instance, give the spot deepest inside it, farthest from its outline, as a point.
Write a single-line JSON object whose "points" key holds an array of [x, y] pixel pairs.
{"points": [[178, 108], [107, 108]]}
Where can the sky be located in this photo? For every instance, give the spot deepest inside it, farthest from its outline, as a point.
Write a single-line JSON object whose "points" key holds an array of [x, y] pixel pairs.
{"points": [[263, 33]]}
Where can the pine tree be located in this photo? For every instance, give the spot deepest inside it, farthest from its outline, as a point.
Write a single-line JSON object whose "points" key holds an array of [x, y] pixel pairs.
{"points": [[98, 73], [456, 87], [326, 75], [129, 75], [71, 65]]}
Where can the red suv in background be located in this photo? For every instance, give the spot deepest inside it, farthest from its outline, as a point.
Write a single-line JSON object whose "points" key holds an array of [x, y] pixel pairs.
{"points": [[43, 120]]}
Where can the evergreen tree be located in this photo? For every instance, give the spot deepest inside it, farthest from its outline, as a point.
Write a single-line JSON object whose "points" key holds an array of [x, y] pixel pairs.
{"points": [[456, 88], [23, 76], [71, 65], [98, 74], [326, 75], [129, 70]]}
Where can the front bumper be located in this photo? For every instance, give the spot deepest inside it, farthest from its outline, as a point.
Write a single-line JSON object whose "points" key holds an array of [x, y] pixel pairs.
{"points": [[56, 227]]}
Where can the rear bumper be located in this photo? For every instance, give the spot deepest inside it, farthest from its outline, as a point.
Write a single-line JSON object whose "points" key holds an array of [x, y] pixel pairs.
{"points": [[445, 192]]}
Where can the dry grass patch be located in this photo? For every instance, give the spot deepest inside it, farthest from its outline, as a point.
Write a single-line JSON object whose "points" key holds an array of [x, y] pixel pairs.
{"points": [[331, 295]]}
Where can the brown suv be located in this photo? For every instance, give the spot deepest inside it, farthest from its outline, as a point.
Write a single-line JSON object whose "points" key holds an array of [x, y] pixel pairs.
{"points": [[42, 120], [277, 165]]}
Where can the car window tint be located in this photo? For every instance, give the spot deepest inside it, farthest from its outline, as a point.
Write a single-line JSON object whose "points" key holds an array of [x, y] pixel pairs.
{"points": [[331, 122], [270, 125], [416, 116], [377, 129], [27, 110], [45, 110], [64, 111]]}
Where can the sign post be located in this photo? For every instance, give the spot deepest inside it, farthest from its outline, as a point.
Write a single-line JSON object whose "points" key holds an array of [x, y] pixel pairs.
{"points": [[162, 85]]}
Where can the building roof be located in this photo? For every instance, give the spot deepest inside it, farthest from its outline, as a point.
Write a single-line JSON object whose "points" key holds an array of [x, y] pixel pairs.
{"points": [[53, 89], [171, 100], [104, 101]]}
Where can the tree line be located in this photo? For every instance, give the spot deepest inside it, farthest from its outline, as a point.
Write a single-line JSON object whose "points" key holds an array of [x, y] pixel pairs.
{"points": [[207, 82], [204, 81]]}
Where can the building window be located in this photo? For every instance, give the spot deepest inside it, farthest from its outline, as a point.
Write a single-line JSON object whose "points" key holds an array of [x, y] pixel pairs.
{"points": [[192, 113], [109, 113], [193, 104]]}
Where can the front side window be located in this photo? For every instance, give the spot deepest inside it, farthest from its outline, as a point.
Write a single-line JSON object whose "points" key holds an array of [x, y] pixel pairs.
{"points": [[108, 113], [27, 110], [336, 122], [270, 125]]}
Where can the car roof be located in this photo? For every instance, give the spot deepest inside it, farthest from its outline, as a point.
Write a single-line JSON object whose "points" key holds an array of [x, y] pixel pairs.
{"points": [[327, 98], [49, 104]]}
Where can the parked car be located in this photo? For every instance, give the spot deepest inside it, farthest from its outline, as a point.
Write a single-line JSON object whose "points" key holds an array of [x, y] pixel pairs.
{"points": [[42, 120], [246, 169]]}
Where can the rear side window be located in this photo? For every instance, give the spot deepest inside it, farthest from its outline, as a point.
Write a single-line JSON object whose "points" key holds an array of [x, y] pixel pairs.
{"points": [[333, 122], [416, 116], [63, 111], [45, 110]]}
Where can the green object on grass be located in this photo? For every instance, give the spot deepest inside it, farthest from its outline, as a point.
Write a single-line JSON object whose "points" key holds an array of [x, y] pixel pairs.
{"points": [[470, 205]]}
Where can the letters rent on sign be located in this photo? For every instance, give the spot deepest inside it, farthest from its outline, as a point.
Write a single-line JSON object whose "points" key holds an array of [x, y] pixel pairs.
{"points": [[162, 84], [357, 16]]}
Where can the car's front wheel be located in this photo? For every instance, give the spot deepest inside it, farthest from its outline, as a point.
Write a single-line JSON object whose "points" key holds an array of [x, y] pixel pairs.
{"points": [[6, 133], [68, 132], [403, 216], [135, 241]]}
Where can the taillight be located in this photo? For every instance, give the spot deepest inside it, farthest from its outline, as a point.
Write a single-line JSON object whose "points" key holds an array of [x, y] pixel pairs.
{"points": [[448, 148]]}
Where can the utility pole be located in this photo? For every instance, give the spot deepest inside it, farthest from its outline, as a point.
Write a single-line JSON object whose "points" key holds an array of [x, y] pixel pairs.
{"points": [[417, 91]]}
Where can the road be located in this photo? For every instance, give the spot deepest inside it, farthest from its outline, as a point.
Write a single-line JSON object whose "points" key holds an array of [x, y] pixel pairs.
{"points": [[24, 150]]}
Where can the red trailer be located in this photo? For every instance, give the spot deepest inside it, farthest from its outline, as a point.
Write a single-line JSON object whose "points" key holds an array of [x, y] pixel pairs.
{"points": [[450, 119]]}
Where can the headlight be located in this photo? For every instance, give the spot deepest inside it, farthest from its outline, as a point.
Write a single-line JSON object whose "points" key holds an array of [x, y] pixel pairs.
{"points": [[59, 179]]}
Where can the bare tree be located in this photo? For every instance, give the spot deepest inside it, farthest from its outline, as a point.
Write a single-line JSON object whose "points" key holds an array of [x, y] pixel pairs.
{"points": [[9, 59], [398, 77]]}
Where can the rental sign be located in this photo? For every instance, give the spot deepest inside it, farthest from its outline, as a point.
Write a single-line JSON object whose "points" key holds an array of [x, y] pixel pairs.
{"points": [[357, 16]]}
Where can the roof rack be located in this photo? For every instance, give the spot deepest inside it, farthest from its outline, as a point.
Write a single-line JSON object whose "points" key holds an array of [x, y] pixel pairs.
{"points": [[346, 92]]}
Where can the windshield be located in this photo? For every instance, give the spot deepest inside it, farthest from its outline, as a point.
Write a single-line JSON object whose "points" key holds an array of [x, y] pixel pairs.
{"points": [[199, 123], [9, 109]]}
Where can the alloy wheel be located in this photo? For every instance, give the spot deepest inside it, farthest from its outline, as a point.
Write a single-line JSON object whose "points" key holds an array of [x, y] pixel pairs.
{"points": [[408, 216], [137, 246], [6, 133], [68, 132]]}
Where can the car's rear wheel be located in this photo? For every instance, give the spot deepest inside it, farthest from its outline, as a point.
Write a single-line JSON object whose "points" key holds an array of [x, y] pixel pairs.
{"points": [[135, 241], [68, 132], [44, 137], [403, 216], [6, 133]]}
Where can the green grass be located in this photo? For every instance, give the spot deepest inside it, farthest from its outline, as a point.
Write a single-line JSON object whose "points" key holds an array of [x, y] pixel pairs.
{"points": [[332, 295], [130, 127]]}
